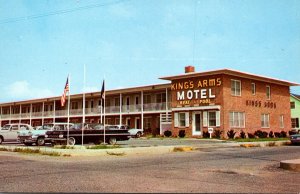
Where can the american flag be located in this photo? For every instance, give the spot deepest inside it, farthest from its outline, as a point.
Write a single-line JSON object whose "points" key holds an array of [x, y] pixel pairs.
{"points": [[63, 97]]}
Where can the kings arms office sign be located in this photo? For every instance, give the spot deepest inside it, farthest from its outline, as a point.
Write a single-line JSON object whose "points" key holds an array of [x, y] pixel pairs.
{"points": [[199, 91]]}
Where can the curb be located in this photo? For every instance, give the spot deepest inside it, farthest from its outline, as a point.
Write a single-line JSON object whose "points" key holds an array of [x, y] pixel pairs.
{"points": [[293, 165]]}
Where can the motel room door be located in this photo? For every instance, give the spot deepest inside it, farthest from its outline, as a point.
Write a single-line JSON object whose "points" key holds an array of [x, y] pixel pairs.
{"points": [[196, 123]]}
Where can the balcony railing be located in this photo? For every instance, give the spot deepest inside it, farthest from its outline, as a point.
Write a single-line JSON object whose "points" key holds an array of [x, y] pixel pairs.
{"points": [[91, 111]]}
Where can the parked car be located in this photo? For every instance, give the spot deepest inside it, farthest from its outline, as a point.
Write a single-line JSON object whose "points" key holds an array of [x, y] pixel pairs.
{"points": [[295, 139], [136, 132], [37, 137], [133, 132], [92, 133], [9, 132]]}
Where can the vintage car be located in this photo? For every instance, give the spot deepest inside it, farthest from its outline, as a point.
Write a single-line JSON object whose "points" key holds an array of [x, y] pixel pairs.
{"points": [[37, 137], [133, 132], [94, 133], [9, 132], [295, 139]]}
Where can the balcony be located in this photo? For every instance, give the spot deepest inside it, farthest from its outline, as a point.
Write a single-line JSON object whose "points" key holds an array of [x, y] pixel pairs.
{"points": [[150, 107]]}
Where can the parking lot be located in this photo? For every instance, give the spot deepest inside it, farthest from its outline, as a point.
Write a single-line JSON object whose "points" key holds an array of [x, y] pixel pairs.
{"points": [[219, 169]]}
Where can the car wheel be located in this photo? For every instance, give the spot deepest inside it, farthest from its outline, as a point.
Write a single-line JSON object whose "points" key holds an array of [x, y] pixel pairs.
{"points": [[1, 140], [71, 141], [138, 135], [40, 141], [112, 141]]}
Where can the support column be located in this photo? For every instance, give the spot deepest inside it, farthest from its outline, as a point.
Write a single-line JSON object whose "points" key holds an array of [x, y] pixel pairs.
{"points": [[1, 116], [10, 114], [120, 108], [166, 100], [20, 116], [43, 113], [30, 114], [54, 112], [142, 109]]}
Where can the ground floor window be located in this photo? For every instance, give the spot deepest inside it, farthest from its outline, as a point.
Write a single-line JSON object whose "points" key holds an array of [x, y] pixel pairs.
{"points": [[281, 120], [237, 119], [295, 122], [147, 122], [211, 118], [181, 119], [265, 120]]}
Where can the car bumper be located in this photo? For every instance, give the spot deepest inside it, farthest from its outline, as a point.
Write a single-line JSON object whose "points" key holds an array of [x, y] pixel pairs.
{"points": [[27, 139]]}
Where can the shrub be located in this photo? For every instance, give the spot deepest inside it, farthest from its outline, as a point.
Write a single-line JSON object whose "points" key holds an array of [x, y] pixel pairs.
{"points": [[242, 134], [283, 134], [181, 133], [205, 134], [231, 133], [271, 134], [250, 135], [277, 134], [218, 133], [168, 133]]}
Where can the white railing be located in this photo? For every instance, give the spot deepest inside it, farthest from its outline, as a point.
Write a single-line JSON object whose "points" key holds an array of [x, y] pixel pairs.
{"points": [[136, 108]]}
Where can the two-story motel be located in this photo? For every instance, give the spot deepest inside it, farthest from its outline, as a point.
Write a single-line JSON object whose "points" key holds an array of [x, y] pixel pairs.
{"points": [[194, 101]]}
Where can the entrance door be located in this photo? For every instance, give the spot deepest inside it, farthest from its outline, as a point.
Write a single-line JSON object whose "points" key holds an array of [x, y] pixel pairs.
{"points": [[196, 123], [137, 123]]}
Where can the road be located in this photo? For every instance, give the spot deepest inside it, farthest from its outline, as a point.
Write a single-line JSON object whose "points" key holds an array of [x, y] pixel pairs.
{"points": [[206, 170]]}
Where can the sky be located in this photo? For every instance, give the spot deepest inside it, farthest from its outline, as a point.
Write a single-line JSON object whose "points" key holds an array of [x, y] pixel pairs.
{"points": [[134, 42]]}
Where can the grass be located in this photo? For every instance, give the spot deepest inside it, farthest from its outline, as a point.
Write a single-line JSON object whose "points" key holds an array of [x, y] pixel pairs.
{"points": [[103, 147], [63, 147], [259, 139], [116, 153], [32, 151]]}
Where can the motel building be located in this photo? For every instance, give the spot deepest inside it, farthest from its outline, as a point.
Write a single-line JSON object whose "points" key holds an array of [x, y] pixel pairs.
{"points": [[193, 101]]}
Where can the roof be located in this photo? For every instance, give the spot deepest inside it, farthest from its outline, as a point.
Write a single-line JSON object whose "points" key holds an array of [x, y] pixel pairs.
{"points": [[89, 94], [296, 96], [233, 73]]}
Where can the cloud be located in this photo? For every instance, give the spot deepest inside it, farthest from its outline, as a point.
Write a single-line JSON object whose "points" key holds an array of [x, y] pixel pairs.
{"points": [[122, 11], [21, 90]]}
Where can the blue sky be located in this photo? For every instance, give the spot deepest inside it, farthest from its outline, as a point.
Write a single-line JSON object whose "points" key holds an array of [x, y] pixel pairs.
{"points": [[133, 42]]}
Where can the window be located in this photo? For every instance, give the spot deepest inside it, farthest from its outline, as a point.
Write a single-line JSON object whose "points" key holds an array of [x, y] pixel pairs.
{"points": [[265, 120], [237, 119], [181, 119], [295, 122], [235, 87], [253, 88], [161, 97], [268, 92], [281, 121], [74, 105], [212, 119], [293, 106], [117, 101], [147, 122], [117, 121], [147, 99]]}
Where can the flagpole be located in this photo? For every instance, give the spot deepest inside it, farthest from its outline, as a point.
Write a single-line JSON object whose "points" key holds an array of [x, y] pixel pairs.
{"points": [[69, 76], [83, 104], [104, 113]]}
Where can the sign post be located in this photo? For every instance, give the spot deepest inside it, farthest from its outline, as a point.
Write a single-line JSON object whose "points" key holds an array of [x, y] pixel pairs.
{"points": [[210, 131]]}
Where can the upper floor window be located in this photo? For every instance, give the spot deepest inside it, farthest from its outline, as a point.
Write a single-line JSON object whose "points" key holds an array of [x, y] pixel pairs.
{"points": [[117, 101], [236, 87], [268, 92], [293, 105], [147, 99], [74, 105], [253, 88], [161, 97], [265, 120]]}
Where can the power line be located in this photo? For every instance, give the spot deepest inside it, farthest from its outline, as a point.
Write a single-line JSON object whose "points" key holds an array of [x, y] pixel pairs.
{"points": [[65, 11]]}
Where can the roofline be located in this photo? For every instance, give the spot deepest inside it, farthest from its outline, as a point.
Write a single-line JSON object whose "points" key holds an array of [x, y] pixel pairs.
{"points": [[231, 72], [295, 96], [108, 92]]}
